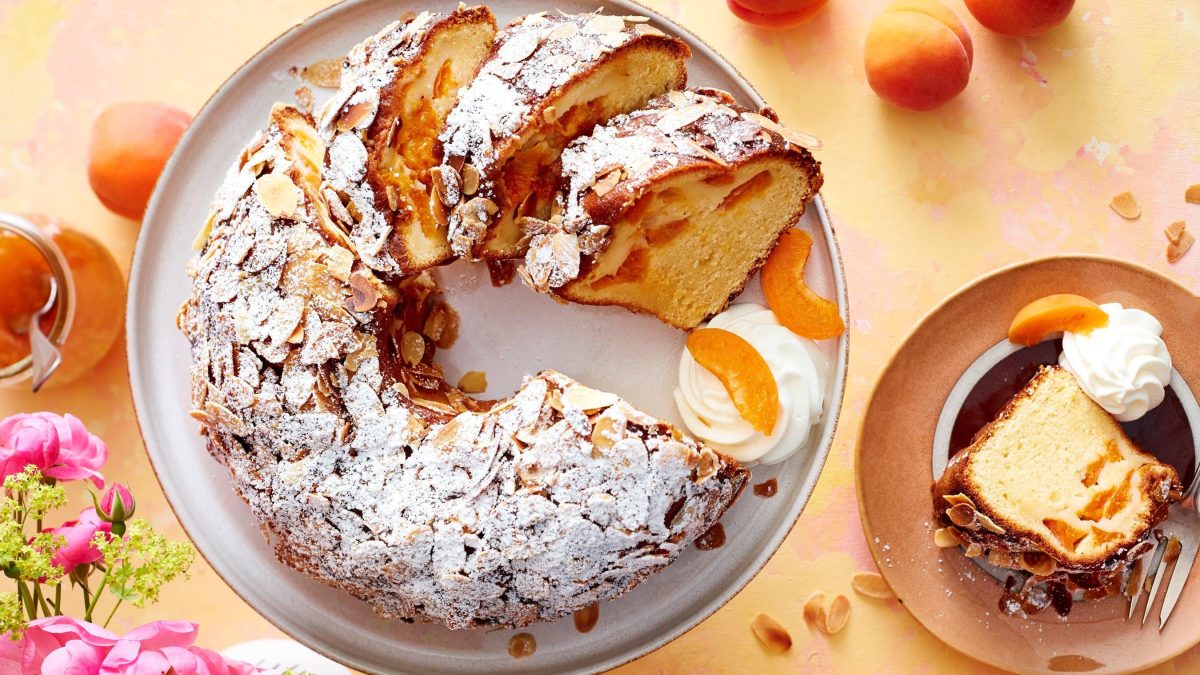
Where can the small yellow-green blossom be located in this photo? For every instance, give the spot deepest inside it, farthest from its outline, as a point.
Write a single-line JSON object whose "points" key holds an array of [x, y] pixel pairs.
{"points": [[141, 561], [28, 492], [12, 616]]}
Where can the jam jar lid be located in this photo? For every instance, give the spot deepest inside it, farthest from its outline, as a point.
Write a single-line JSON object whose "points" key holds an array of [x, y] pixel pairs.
{"points": [[65, 297]]}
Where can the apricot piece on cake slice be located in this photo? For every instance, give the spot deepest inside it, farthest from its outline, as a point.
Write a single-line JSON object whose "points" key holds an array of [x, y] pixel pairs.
{"points": [[1055, 314]]}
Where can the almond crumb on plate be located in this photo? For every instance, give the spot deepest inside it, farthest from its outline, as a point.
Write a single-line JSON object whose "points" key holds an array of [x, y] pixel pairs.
{"points": [[473, 382], [1192, 195], [1126, 206], [1176, 250], [324, 73], [768, 631], [872, 585]]}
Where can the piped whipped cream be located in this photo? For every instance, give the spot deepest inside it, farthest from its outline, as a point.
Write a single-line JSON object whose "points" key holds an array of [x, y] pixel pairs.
{"points": [[800, 370], [1124, 366]]}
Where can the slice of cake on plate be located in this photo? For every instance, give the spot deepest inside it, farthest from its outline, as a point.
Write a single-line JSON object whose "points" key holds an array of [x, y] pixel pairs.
{"points": [[1055, 487], [670, 209], [381, 127], [549, 79]]}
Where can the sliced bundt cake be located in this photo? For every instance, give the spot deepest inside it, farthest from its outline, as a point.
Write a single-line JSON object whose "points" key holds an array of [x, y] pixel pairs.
{"points": [[670, 209], [1054, 484], [550, 78], [381, 126], [312, 380]]}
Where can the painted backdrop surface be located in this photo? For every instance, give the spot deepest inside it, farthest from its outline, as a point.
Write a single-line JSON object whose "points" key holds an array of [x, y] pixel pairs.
{"points": [[1023, 164]]}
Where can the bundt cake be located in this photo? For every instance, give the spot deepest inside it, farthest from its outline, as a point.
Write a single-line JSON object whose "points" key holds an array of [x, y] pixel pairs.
{"points": [[668, 210], [316, 389], [1055, 487], [381, 128], [550, 78]]}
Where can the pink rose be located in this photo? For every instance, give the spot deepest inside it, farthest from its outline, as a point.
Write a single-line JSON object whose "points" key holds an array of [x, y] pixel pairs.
{"points": [[79, 534], [117, 505], [61, 644], [59, 446]]}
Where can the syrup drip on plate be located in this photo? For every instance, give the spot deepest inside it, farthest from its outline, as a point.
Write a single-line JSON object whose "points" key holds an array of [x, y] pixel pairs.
{"points": [[767, 489], [521, 645], [712, 539]]}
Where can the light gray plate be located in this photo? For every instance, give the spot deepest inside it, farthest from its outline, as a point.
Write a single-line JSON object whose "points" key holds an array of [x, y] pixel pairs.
{"points": [[506, 332]]}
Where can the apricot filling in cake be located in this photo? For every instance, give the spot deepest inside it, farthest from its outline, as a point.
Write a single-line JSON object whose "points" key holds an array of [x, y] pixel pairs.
{"points": [[549, 79], [1055, 487], [670, 209]]}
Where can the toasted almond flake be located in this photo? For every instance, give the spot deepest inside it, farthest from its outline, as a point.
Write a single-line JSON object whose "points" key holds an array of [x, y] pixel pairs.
{"points": [[872, 585], [563, 31], [1126, 206], [1037, 564], [634, 18], [1192, 195], [339, 261], [814, 609], [587, 399], [473, 382], [278, 194], [518, 47], [602, 433], [202, 236], [989, 524], [963, 515], [550, 113], [324, 73], [364, 295], [412, 347], [960, 498], [838, 616], [606, 183], [1176, 251], [470, 180], [647, 29], [1175, 231], [355, 115], [769, 632], [604, 23], [947, 537]]}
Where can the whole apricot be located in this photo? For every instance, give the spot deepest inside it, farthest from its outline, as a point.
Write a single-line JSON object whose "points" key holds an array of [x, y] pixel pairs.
{"points": [[1020, 18], [775, 13], [918, 54], [131, 143]]}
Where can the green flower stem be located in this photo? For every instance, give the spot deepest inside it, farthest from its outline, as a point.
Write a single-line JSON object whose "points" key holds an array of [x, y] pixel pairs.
{"points": [[58, 599], [26, 600], [114, 611], [91, 607], [40, 599]]}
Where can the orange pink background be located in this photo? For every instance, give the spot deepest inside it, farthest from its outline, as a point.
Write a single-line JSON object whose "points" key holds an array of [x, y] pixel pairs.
{"points": [[1021, 165]]}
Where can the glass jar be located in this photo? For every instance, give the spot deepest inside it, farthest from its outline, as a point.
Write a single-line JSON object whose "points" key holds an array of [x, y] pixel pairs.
{"points": [[86, 317]]}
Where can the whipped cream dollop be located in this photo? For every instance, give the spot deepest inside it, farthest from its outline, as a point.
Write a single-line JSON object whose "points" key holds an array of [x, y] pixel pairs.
{"points": [[800, 371], [1124, 366]]}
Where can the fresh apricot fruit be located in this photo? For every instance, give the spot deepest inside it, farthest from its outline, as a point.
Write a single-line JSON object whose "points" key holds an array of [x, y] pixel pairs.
{"points": [[1055, 314], [1020, 18], [795, 304], [918, 54], [131, 143], [775, 13], [743, 372]]}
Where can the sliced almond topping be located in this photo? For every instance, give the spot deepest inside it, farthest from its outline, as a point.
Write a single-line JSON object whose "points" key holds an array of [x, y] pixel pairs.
{"points": [[838, 616], [518, 47], [872, 585], [602, 432], [470, 180], [355, 115], [339, 261], [988, 524], [473, 382], [606, 183], [563, 31], [1175, 231], [947, 537], [587, 399], [960, 498], [1176, 251], [1037, 564], [814, 609], [364, 295], [962, 516], [412, 348], [769, 632], [550, 113], [278, 194], [324, 73], [393, 196], [1193, 194], [647, 29], [1126, 206], [202, 237], [605, 23]]}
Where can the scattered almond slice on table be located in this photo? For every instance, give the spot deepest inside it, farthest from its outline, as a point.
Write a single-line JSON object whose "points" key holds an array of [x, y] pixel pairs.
{"points": [[830, 621], [743, 372], [769, 632], [872, 585], [814, 609], [1126, 206], [1177, 249], [1175, 231], [1192, 195]]}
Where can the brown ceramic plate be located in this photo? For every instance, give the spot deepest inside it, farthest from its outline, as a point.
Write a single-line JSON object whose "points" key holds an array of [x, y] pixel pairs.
{"points": [[945, 591]]}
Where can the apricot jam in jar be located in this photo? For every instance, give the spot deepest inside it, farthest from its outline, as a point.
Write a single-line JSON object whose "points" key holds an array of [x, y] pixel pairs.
{"points": [[86, 315]]}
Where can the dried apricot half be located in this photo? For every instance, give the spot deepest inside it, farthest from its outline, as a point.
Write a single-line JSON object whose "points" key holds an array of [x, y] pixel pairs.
{"points": [[1055, 314], [743, 372], [796, 305]]}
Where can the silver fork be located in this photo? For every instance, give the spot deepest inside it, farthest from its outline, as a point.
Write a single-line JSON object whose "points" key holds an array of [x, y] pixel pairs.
{"points": [[1179, 544]]}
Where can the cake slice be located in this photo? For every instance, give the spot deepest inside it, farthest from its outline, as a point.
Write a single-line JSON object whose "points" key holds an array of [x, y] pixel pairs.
{"points": [[671, 208], [1054, 485], [549, 79], [381, 126]]}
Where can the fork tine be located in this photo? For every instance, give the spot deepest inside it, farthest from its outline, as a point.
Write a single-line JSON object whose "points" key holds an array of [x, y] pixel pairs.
{"points": [[1133, 590], [1151, 568], [1183, 568], [1163, 563]]}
